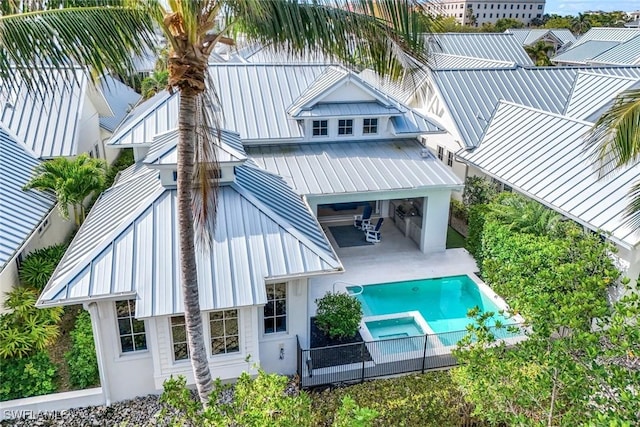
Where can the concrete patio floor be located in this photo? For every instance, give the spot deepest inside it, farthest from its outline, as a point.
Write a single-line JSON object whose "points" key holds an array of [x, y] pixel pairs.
{"points": [[395, 258]]}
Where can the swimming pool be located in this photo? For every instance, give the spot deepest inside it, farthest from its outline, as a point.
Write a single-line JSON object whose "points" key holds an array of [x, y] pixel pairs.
{"points": [[442, 302]]}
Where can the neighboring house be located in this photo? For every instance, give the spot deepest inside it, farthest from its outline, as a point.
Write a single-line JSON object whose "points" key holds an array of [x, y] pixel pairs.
{"points": [[28, 219], [502, 47], [121, 100], [478, 12], [542, 155], [559, 38], [603, 46], [306, 145]]}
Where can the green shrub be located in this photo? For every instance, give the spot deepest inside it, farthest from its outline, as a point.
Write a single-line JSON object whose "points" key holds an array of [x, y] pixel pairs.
{"points": [[478, 191], [38, 266], [476, 227], [25, 329], [26, 377], [339, 315], [123, 161], [458, 209], [82, 360]]}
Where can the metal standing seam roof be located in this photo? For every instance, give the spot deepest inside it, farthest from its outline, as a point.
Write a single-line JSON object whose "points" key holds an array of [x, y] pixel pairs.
{"points": [[593, 91], [46, 123], [471, 95], [443, 61], [129, 246], [20, 211], [530, 36], [341, 109], [403, 89], [164, 151], [542, 155], [493, 46], [626, 53], [354, 167], [155, 115], [619, 35], [585, 52], [121, 99]]}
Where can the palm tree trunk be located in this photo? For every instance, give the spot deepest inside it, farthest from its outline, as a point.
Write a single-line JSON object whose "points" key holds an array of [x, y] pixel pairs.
{"points": [[188, 273]]}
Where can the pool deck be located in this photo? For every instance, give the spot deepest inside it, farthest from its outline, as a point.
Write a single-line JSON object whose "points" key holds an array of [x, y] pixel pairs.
{"points": [[395, 258]]}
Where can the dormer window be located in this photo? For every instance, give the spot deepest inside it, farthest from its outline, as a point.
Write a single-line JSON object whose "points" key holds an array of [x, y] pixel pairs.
{"points": [[345, 127], [320, 128], [369, 126]]}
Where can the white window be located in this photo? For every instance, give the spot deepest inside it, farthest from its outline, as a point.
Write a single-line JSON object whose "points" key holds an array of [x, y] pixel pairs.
{"points": [[449, 158], [130, 330], [275, 311], [370, 126], [179, 338], [320, 128], [440, 152], [224, 331], [345, 127], [43, 226]]}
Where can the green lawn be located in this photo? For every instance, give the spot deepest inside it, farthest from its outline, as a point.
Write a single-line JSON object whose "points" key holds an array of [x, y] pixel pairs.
{"points": [[455, 239]]}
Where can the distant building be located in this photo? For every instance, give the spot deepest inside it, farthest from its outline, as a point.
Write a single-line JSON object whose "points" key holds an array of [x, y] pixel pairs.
{"points": [[478, 12]]}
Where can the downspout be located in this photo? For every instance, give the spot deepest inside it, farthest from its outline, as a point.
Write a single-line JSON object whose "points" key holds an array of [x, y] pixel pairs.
{"points": [[97, 339]]}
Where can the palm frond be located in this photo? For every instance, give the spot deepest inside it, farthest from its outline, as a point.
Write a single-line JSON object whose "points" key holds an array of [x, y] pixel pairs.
{"points": [[614, 140], [101, 38], [632, 212]]}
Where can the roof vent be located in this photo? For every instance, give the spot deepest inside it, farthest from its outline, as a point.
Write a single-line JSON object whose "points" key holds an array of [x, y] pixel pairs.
{"points": [[424, 152]]}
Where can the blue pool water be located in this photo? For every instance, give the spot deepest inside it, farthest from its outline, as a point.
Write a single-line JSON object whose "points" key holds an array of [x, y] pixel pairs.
{"points": [[394, 328], [442, 302]]}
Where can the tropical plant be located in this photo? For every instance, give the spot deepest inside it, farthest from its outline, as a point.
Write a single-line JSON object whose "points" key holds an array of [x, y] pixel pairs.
{"points": [[339, 315], [524, 215], [382, 33], [580, 24], [155, 83], [72, 181], [614, 141], [477, 191], [539, 52], [38, 266], [504, 24], [82, 359], [25, 377]]}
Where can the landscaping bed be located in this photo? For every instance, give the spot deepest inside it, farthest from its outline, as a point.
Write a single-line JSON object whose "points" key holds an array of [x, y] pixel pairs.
{"points": [[326, 357]]}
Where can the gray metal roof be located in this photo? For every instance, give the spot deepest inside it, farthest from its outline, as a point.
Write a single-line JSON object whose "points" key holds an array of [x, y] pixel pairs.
{"points": [[527, 36], [626, 53], [46, 123], [494, 46], [584, 52], [471, 95], [20, 211], [403, 89], [593, 91], [608, 34], [542, 155], [354, 167], [156, 115], [354, 109], [329, 78], [121, 99], [129, 246], [443, 61]]}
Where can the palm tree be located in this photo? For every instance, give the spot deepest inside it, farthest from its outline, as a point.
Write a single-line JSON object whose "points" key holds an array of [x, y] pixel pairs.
{"points": [[525, 215], [614, 141], [580, 24], [155, 83], [383, 32], [539, 52], [72, 181]]}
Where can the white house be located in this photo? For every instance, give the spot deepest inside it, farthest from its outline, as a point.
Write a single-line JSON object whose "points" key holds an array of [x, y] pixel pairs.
{"points": [[560, 38], [307, 144]]}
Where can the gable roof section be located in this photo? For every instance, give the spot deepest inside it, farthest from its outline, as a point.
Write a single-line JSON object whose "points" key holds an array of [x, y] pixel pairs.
{"points": [[121, 99], [156, 115], [47, 123], [626, 53], [355, 167], [585, 52], [618, 35], [492, 46], [529, 36], [542, 155], [20, 211], [443, 61], [129, 246], [164, 149], [592, 92], [471, 95]]}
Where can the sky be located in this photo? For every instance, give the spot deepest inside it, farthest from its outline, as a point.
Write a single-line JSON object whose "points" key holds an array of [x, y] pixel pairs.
{"points": [[573, 7]]}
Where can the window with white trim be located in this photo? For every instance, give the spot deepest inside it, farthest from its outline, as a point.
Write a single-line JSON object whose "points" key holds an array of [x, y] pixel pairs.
{"points": [[369, 126], [320, 128], [275, 311], [345, 127], [179, 338], [449, 158], [440, 152], [224, 332], [130, 330]]}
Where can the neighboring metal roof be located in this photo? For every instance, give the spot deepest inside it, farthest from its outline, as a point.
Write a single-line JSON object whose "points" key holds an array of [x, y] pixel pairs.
{"points": [[20, 211], [583, 53], [443, 61], [164, 150], [493, 46], [471, 95], [355, 167], [121, 99], [627, 53], [529, 36], [542, 155], [619, 35], [47, 123], [592, 91], [155, 115], [129, 246], [341, 109]]}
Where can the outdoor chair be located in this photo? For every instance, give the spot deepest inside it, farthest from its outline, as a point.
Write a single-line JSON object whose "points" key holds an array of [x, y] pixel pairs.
{"points": [[372, 234], [363, 221]]}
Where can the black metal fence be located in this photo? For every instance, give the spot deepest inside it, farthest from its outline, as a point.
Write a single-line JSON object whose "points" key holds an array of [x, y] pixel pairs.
{"points": [[370, 359]]}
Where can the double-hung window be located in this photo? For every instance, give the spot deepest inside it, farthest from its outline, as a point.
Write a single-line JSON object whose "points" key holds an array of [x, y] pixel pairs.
{"points": [[370, 126], [440, 152], [275, 311], [449, 158], [345, 127], [224, 332], [179, 338], [130, 330], [320, 128]]}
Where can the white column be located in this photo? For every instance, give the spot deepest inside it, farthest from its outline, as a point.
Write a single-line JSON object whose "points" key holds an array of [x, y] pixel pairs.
{"points": [[435, 218]]}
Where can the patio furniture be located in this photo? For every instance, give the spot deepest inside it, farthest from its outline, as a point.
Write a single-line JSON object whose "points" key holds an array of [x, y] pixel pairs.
{"points": [[372, 234], [364, 220]]}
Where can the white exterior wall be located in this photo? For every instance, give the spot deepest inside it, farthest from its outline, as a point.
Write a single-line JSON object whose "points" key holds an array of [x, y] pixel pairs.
{"points": [[297, 324], [89, 133], [435, 219]]}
